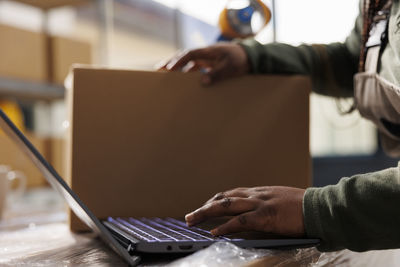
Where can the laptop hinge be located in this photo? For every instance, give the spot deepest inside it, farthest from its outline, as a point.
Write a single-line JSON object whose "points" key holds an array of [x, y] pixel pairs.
{"points": [[126, 241]]}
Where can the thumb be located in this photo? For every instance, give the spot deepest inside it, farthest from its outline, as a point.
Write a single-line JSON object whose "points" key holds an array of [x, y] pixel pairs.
{"points": [[217, 73]]}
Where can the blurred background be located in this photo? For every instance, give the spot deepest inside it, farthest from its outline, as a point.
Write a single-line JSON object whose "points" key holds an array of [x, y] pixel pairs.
{"points": [[41, 39]]}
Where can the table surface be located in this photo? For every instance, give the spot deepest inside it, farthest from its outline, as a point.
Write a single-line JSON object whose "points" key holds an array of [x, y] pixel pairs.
{"points": [[34, 231]]}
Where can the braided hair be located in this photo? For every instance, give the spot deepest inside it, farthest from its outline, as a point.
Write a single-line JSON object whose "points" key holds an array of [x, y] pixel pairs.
{"points": [[370, 9]]}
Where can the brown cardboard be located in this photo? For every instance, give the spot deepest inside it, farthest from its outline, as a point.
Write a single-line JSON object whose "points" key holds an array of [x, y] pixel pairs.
{"points": [[160, 144], [57, 155], [12, 156], [22, 54], [63, 52], [38, 57]]}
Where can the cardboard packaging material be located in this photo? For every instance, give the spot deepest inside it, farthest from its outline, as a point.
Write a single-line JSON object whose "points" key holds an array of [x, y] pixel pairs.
{"points": [[63, 53], [23, 54], [38, 57], [160, 144], [57, 155], [12, 156]]}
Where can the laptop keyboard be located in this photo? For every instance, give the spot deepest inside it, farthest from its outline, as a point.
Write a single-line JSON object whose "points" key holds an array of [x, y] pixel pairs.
{"points": [[162, 230]]}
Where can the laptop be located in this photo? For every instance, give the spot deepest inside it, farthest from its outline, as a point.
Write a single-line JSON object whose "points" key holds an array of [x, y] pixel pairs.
{"points": [[131, 237]]}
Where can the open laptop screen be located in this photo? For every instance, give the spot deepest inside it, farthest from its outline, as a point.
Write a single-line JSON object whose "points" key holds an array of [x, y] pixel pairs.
{"points": [[60, 185]]}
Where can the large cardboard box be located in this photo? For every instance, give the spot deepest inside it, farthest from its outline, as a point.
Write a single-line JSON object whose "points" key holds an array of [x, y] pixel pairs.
{"points": [[39, 57], [12, 156], [23, 54], [160, 144], [52, 149], [57, 154], [63, 53]]}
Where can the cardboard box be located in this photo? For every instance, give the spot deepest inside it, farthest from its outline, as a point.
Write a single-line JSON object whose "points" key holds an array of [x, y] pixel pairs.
{"points": [[38, 57], [23, 54], [64, 52], [12, 156], [53, 149], [58, 155], [160, 144]]}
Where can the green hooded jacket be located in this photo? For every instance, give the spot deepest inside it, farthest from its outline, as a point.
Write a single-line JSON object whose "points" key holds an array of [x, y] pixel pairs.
{"points": [[361, 212]]}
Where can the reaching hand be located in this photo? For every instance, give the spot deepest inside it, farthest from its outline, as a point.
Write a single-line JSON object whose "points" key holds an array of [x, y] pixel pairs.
{"points": [[217, 62], [272, 209]]}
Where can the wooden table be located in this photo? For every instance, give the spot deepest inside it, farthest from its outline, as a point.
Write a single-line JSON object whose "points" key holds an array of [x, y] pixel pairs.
{"points": [[34, 232]]}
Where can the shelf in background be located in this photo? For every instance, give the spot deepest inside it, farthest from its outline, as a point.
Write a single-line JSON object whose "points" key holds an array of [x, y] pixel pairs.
{"points": [[30, 90], [47, 4]]}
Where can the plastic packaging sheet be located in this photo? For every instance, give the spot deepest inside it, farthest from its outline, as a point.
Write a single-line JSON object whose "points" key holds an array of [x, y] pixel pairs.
{"points": [[226, 254], [54, 245], [387, 258]]}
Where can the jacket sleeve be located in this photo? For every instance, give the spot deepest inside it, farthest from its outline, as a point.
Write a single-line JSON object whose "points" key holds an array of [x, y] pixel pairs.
{"points": [[330, 66], [359, 213]]}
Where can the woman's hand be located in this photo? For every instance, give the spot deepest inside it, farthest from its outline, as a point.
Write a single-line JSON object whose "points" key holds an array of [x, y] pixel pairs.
{"points": [[217, 62], [272, 209]]}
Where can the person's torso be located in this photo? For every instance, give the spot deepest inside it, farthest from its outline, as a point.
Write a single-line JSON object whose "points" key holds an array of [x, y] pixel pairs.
{"points": [[389, 67], [377, 88]]}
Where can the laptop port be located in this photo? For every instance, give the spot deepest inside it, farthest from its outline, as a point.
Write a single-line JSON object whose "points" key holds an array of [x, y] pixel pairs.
{"points": [[186, 247]]}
